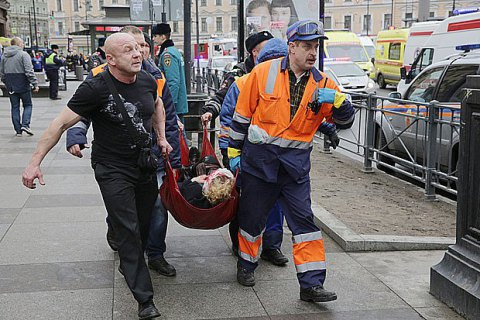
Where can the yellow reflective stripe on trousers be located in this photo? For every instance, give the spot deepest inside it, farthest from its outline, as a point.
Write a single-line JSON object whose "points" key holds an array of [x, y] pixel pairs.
{"points": [[241, 119], [311, 266], [272, 76], [317, 235]]}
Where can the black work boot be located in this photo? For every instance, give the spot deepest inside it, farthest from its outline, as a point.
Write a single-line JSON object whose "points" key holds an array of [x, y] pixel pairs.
{"points": [[317, 294], [275, 256], [111, 239], [162, 266], [244, 277], [147, 310]]}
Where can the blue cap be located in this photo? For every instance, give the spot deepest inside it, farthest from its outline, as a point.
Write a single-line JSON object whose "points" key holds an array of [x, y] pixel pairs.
{"points": [[305, 30], [274, 48]]}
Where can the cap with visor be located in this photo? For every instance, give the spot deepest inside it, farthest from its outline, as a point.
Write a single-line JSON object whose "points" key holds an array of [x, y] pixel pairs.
{"points": [[306, 30]]}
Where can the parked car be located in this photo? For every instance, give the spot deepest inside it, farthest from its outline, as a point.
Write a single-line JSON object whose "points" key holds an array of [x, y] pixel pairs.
{"points": [[402, 129], [349, 77], [216, 68]]}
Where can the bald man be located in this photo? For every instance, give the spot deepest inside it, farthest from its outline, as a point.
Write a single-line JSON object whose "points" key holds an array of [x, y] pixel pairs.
{"points": [[129, 193]]}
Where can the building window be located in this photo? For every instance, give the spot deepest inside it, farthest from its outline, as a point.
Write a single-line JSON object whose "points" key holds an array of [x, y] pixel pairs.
{"points": [[101, 3], [387, 20], [203, 3], [431, 14], [218, 3], [233, 2], [77, 26], [204, 25], [408, 19], [60, 28], [127, 2], [327, 23], [75, 5], [234, 24], [59, 5], [175, 26], [367, 23], [219, 24], [347, 22], [114, 1]]}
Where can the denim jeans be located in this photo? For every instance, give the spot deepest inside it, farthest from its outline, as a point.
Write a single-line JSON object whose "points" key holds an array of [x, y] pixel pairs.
{"points": [[26, 98], [156, 246]]}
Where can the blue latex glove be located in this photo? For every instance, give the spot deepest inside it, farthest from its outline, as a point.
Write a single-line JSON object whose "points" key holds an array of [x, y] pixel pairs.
{"points": [[235, 164], [326, 95]]}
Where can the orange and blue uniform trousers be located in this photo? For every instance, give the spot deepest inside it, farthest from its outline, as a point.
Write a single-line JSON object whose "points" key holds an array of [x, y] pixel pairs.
{"points": [[275, 161]]}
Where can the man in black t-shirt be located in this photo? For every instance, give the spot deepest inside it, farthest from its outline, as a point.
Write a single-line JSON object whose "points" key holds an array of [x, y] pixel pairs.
{"points": [[129, 194]]}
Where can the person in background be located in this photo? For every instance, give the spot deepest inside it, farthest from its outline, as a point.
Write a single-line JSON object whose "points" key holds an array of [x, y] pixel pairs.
{"points": [[16, 71], [37, 62], [258, 16], [52, 64], [170, 62], [98, 57]]}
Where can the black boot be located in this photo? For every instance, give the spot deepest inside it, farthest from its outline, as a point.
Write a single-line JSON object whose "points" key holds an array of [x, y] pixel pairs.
{"points": [[147, 310], [317, 294], [244, 277], [274, 256], [162, 266]]}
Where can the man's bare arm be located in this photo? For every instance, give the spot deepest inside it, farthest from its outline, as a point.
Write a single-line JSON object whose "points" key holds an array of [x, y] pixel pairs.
{"points": [[159, 119], [49, 139]]}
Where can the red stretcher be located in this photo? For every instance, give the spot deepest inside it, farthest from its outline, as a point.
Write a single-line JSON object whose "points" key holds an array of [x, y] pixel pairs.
{"points": [[187, 215]]}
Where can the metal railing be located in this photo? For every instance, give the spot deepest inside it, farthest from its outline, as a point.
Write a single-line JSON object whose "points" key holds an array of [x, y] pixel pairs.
{"points": [[418, 140], [211, 79]]}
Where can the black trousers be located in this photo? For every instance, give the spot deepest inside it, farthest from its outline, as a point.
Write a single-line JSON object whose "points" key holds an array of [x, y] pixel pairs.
{"points": [[52, 75], [129, 197]]}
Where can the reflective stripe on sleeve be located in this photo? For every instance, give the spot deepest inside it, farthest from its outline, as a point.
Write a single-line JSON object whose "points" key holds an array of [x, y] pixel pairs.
{"points": [[235, 135], [311, 266], [241, 119], [272, 76]]}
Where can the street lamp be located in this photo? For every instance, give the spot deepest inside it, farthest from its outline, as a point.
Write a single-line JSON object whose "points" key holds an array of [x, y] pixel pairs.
{"points": [[35, 26]]}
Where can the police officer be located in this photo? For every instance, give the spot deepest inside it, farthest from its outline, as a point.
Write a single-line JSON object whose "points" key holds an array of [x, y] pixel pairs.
{"points": [[279, 109], [52, 64], [170, 62]]}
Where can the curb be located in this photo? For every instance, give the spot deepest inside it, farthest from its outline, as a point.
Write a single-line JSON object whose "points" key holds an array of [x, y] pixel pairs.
{"points": [[353, 242]]}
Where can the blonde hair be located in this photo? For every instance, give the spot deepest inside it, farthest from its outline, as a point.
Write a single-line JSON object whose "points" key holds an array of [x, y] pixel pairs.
{"points": [[219, 189]]}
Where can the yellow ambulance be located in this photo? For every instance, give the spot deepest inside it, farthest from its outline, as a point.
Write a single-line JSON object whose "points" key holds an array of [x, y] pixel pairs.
{"points": [[346, 44], [389, 54]]}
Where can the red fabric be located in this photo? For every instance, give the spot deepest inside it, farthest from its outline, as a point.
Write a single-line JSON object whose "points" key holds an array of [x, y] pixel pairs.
{"points": [[184, 150], [188, 215]]}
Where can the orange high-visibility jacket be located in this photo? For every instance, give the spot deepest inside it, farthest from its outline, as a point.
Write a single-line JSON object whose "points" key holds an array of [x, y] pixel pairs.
{"points": [[263, 108]]}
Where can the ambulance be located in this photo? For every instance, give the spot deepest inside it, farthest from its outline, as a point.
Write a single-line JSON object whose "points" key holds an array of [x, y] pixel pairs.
{"points": [[389, 55], [462, 29], [419, 33], [346, 44]]}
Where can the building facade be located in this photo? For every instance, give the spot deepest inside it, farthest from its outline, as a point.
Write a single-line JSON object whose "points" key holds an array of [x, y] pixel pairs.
{"points": [[28, 19], [368, 17], [4, 25]]}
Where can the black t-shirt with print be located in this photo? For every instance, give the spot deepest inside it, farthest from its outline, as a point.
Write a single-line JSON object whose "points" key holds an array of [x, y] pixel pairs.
{"points": [[112, 141]]}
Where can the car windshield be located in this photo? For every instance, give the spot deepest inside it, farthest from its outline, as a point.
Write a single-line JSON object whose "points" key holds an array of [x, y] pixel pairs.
{"points": [[222, 62], [331, 75], [370, 51], [354, 52], [346, 69]]}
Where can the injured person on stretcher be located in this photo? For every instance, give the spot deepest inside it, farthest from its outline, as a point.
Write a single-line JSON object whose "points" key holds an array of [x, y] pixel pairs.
{"points": [[210, 184]]}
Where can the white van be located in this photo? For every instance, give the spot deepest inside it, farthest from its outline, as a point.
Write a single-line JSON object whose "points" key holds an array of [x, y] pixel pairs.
{"points": [[460, 30], [419, 33]]}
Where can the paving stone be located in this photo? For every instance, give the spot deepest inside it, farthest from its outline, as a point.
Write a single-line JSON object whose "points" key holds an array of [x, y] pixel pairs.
{"points": [[62, 200], [193, 301], [206, 246], [3, 229], [60, 214], [439, 313], [57, 231], [69, 304], [56, 276], [174, 229], [8, 215], [390, 314]]}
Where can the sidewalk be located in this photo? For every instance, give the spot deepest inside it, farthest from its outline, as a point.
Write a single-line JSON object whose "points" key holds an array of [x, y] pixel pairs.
{"points": [[55, 262]]}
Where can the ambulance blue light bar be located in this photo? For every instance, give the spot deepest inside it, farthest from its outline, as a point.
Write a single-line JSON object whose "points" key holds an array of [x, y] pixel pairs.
{"points": [[457, 12], [468, 47]]}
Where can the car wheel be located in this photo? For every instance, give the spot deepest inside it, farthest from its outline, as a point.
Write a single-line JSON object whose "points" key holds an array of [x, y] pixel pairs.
{"points": [[381, 81], [380, 144]]}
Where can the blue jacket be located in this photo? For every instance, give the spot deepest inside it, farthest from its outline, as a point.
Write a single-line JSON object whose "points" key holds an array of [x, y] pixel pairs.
{"points": [[57, 63], [16, 70], [78, 133], [171, 64]]}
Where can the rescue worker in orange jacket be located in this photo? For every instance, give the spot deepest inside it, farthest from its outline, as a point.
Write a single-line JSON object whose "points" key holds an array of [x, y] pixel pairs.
{"points": [[282, 104]]}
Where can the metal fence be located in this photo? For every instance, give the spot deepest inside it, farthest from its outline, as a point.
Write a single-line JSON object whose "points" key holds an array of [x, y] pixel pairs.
{"points": [[418, 140]]}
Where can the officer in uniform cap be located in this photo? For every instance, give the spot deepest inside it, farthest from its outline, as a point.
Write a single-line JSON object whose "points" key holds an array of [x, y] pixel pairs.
{"points": [[52, 64], [170, 62]]}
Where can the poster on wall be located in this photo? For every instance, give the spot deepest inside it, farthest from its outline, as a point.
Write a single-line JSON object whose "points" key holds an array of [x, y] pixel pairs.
{"points": [[276, 15]]}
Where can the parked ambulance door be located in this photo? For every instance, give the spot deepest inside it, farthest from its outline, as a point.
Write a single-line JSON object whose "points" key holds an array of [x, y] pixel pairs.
{"points": [[423, 60]]}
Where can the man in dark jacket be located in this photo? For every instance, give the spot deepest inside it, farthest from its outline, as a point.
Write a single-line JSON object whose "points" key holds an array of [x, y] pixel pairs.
{"points": [[98, 57], [16, 71], [52, 64]]}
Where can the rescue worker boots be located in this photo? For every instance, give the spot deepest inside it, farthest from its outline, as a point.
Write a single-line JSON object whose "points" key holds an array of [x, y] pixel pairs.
{"points": [[244, 277], [147, 310], [317, 294], [274, 256]]}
